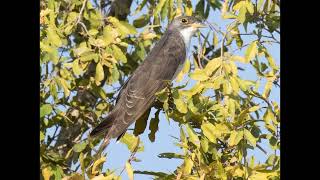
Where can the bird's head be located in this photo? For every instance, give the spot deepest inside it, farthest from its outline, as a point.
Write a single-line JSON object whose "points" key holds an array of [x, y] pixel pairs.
{"points": [[187, 26]]}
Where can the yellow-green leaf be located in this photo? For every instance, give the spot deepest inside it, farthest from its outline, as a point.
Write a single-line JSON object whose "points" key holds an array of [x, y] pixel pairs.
{"points": [[239, 5], [234, 84], [45, 110], [193, 137], [254, 108], [242, 14], [181, 105], [249, 137], [131, 29], [199, 75], [99, 74], [118, 54], [187, 167], [250, 7], [65, 86], [129, 170], [131, 142], [109, 34], [98, 162], [239, 59], [46, 173], [185, 70], [251, 51], [159, 6], [141, 21], [235, 137], [213, 65], [80, 146], [76, 68], [208, 131], [267, 89]]}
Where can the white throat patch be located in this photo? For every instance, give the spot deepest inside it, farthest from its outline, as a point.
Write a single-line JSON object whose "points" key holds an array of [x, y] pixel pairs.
{"points": [[187, 33]]}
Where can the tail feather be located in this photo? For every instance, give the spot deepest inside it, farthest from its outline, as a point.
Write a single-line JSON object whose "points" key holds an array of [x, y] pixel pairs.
{"points": [[104, 126]]}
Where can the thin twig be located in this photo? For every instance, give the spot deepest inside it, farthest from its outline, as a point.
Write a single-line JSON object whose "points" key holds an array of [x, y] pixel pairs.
{"points": [[81, 11]]}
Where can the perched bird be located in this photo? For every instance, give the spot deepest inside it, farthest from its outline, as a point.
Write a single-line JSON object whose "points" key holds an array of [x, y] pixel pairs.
{"points": [[162, 64]]}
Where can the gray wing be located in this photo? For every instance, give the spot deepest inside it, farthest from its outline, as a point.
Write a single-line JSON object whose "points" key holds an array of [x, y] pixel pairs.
{"points": [[151, 76]]}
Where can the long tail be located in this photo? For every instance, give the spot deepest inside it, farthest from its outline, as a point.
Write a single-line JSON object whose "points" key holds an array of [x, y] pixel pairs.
{"points": [[105, 125]]}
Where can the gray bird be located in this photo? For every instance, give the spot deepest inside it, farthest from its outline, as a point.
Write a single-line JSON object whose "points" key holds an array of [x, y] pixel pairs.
{"points": [[162, 64]]}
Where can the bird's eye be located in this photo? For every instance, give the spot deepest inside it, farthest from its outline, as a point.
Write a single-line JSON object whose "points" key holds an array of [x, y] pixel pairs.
{"points": [[184, 20]]}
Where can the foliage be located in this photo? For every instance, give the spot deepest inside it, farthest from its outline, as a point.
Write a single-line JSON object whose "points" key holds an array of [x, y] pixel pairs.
{"points": [[87, 53]]}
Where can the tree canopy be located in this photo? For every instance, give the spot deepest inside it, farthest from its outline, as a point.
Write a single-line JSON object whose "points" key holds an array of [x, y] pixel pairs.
{"points": [[88, 48]]}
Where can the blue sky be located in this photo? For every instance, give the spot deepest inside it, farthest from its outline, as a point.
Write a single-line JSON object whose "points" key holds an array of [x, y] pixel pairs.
{"points": [[117, 154]]}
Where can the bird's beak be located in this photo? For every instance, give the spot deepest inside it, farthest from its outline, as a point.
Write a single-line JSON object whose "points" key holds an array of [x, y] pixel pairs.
{"points": [[198, 25]]}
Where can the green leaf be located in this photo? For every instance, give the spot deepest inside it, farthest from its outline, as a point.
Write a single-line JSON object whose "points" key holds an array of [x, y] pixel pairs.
{"points": [[239, 5], [80, 146], [99, 74], [242, 14], [42, 136], [181, 105], [267, 89], [153, 126], [53, 37], [199, 75], [234, 84], [208, 131], [141, 123], [62, 82], [200, 8], [212, 66], [131, 29], [165, 9], [235, 137], [109, 34], [249, 137], [93, 32], [129, 170], [193, 137], [122, 29], [131, 142], [159, 6], [239, 59], [45, 110], [259, 4], [76, 68], [187, 166], [171, 155], [157, 174], [250, 7], [251, 51], [141, 21], [254, 108], [204, 144], [118, 54], [89, 57], [197, 88]]}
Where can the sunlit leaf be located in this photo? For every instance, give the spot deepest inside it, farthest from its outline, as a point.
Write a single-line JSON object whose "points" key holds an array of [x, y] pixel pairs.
{"points": [[118, 54], [235, 137], [80, 146], [131, 141], [248, 136], [98, 162], [129, 170], [99, 74], [45, 110], [199, 75], [251, 51], [193, 137]]}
